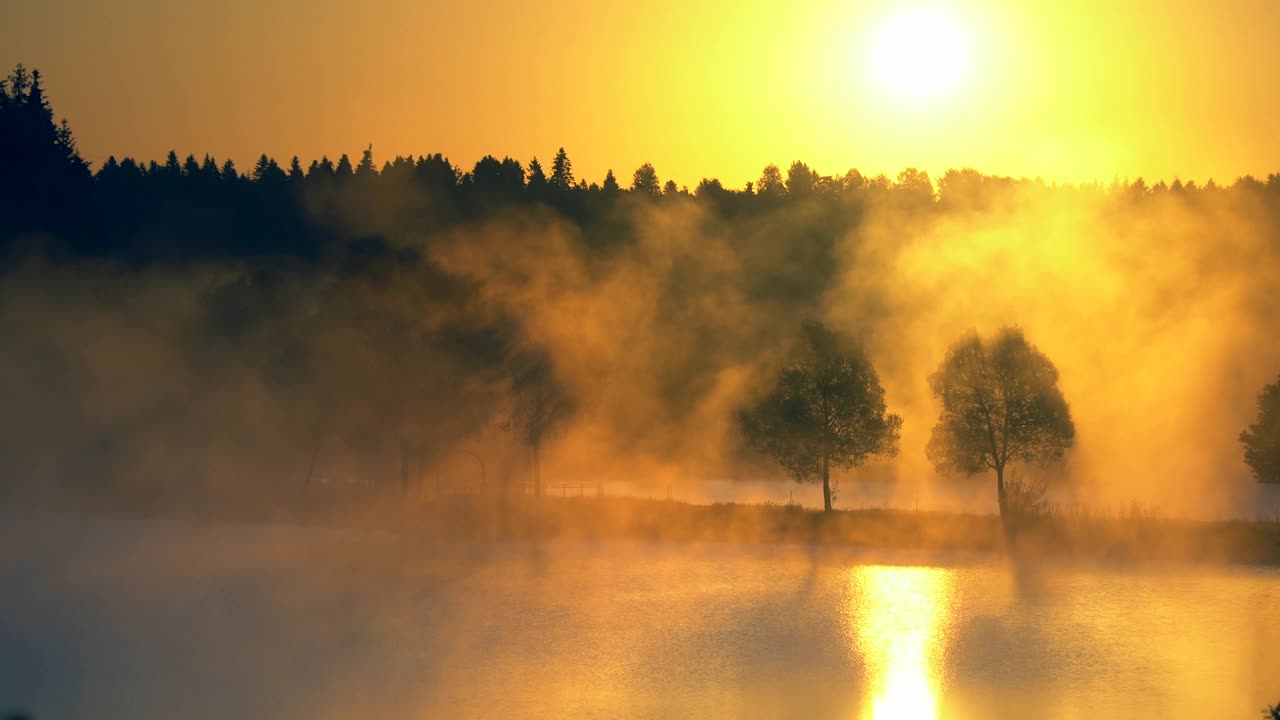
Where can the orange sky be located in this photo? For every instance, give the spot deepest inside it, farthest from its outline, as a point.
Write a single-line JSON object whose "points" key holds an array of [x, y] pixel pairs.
{"points": [[1071, 91]]}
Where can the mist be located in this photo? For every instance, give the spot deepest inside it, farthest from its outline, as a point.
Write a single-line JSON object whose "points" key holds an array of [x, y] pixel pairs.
{"points": [[226, 376], [505, 442]]}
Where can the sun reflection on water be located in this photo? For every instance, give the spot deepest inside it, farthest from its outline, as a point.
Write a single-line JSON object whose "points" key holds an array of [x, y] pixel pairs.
{"points": [[898, 615]]}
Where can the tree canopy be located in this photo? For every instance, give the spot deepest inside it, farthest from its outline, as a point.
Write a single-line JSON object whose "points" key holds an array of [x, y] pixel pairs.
{"points": [[826, 409], [1000, 404], [44, 183], [1261, 440], [646, 181], [540, 405]]}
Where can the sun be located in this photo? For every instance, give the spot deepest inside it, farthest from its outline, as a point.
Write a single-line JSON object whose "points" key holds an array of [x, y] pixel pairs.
{"points": [[921, 54]]}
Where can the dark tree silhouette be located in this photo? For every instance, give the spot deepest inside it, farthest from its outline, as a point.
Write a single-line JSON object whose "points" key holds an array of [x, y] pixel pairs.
{"points": [[209, 172], [1000, 404], [770, 183], [44, 183], [710, 188], [173, 168], [437, 175], [487, 173], [914, 189], [537, 178], [610, 183], [326, 168], [1262, 439], [365, 169], [645, 181], [561, 171], [344, 171], [826, 409], [540, 405], [135, 210], [266, 170], [801, 180], [511, 176]]}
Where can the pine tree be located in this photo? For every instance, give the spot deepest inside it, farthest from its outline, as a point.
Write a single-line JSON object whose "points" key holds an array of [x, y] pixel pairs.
{"points": [[261, 170], [365, 169], [172, 166], [37, 102], [537, 178], [562, 171], [344, 170], [209, 168], [43, 178], [610, 183], [511, 173]]}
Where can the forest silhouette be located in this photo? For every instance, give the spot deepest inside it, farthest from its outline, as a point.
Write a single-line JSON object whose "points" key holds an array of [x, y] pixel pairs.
{"points": [[386, 309]]}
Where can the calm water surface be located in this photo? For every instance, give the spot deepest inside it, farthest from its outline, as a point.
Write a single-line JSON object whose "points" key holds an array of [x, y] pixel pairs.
{"points": [[104, 620]]}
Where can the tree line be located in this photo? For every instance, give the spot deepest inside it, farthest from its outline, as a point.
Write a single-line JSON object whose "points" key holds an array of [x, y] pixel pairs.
{"points": [[321, 235], [59, 206]]}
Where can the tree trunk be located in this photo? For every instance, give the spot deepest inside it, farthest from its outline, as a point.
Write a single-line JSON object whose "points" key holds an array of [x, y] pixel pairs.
{"points": [[826, 484], [311, 467], [1006, 519], [537, 473], [404, 467], [1000, 494]]}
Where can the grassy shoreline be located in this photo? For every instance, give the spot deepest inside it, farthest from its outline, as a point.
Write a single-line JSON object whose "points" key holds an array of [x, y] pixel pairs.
{"points": [[1068, 536]]}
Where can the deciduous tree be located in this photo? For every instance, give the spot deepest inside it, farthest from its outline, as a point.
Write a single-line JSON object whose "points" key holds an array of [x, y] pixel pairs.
{"points": [[826, 409], [1000, 404], [1262, 439]]}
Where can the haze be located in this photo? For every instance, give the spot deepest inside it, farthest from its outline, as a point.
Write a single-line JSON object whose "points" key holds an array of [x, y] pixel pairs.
{"points": [[826, 360], [1066, 91]]}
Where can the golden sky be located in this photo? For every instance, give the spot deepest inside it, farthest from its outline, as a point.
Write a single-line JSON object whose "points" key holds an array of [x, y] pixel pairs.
{"points": [[1093, 89]]}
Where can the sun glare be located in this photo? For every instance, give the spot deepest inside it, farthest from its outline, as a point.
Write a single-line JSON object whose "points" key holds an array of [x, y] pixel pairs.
{"points": [[921, 54], [899, 617]]}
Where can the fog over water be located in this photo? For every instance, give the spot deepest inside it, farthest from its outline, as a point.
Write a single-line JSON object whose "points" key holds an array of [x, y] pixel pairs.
{"points": [[158, 620]]}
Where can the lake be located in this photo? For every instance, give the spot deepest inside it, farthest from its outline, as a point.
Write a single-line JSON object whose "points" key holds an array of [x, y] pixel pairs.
{"points": [[151, 620]]}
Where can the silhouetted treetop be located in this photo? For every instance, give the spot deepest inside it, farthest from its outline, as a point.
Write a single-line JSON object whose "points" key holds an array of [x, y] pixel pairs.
{"points": [[1261, 440], [826, 409], [562, 171], [770, 183], [1000, 404], [645, 181], [800, 179], [610, 183], [537, 177], [45, 183], [366, 169], [50, 194]]}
